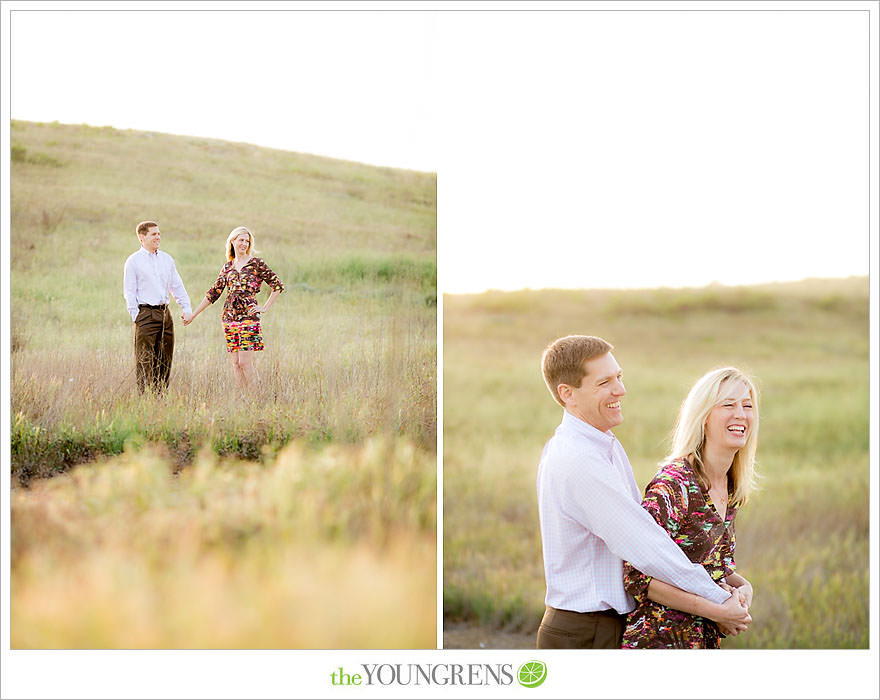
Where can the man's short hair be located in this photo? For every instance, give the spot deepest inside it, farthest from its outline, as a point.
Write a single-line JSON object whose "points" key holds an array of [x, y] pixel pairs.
{"points": [[144, 226], [563, 360]]}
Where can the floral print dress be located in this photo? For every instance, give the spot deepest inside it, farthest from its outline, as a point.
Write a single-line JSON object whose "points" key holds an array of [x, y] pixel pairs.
{"points": [[243, 287], [685, 510]]}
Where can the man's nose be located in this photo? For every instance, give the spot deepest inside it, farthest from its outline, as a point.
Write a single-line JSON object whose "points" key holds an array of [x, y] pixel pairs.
{"points": [[621, 389]]}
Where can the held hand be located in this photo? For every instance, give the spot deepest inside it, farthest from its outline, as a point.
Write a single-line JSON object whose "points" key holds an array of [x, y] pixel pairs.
{"points": [[187, 318], [745, 593], [732, 617]]}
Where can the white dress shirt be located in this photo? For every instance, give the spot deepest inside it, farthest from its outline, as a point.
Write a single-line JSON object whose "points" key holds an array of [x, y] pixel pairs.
{"points": [[592, 519], [148, 278]]}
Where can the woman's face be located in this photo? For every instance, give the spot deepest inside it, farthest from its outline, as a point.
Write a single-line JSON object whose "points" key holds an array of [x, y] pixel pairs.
{"points": [[241, 243], [730, 422]]}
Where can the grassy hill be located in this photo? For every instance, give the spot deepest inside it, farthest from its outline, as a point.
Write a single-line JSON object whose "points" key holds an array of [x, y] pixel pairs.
{"points": [[301, 515], [802, 540], [351, 345]]}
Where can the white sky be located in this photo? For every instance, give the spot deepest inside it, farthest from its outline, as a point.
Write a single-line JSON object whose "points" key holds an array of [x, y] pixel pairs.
{"points": [[626, 149], [573, 149]]}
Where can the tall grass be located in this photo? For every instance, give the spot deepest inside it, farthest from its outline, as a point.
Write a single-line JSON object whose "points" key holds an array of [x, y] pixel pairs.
{"points": [[802, 540], [319, 548], [350, 345]]}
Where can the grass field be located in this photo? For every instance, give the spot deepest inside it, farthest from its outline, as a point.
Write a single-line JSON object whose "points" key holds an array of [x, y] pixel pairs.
{"points": [[802, 540], [350, 360]]}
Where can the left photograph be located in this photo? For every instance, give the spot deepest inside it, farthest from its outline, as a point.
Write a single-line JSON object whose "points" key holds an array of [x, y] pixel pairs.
{"points": [[222, 377]]}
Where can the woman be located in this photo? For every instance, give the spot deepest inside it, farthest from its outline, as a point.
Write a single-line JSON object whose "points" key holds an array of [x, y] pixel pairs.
{"points": [[242, 275], [695, 496]]}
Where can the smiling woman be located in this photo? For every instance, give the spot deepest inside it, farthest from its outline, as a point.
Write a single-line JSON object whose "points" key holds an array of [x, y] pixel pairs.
{"points": [[695, 497]]}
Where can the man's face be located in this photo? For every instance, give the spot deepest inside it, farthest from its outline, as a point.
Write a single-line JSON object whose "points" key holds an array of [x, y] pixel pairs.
{"points": [[597, 400], [150, 239]]}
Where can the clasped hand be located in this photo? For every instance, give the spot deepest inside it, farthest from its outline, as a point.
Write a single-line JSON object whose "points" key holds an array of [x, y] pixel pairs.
{"points": [[737, 608]]}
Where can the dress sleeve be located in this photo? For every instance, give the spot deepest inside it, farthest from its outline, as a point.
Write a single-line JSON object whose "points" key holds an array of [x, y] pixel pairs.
{"points": [[213, 294], [667, 502], [269, 277]]}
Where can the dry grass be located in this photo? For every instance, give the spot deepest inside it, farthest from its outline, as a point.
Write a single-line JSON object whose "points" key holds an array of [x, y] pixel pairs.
{"points": [[330, 548], [802, 541]]}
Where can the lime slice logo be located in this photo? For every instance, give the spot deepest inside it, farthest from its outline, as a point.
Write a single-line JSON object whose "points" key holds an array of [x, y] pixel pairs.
{"points": [[532, 673]]}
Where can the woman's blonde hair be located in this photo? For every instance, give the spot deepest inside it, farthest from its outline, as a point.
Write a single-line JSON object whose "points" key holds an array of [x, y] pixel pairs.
{"points": [[230, 251], [689, 436]]}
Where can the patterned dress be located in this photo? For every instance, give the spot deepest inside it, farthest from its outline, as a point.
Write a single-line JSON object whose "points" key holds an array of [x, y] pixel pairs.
{"points": [[684, 509], [243, 287]]}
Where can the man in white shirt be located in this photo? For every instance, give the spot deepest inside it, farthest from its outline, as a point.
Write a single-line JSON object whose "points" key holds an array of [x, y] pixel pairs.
{"points": [[148, 278], [591, 515]]}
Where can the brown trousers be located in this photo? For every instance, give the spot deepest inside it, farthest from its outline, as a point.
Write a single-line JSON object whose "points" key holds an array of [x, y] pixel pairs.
{"points": [[153, 348], [564, 629]]}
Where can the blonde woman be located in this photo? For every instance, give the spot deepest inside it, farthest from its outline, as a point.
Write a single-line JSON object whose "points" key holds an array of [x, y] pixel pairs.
{"points": [[242, 275], [695, 496]]}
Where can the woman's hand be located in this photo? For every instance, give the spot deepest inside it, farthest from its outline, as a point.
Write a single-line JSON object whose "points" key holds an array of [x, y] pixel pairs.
{"points": [[742, 587], [745, 593]]}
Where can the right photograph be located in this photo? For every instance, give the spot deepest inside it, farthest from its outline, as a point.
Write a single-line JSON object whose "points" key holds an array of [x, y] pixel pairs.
{"points": [[656, 336]]}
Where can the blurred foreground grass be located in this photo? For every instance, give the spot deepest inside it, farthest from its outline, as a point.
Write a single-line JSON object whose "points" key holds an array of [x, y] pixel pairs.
{"points": [[330, 548], [802, 540]]}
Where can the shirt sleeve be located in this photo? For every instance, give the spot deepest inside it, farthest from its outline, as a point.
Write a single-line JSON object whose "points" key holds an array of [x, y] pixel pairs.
{"points": [[178, 290], [213, 294], [667, 502], [129, 288], [601, 503]]}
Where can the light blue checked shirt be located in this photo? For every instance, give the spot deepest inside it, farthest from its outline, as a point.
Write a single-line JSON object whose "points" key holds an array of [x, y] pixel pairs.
{"points": [[592, 520], [148, 278]]}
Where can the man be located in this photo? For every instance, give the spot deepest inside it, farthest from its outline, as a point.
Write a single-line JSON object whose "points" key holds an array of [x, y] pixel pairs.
{"points": [[149, 275], [590, 510]]}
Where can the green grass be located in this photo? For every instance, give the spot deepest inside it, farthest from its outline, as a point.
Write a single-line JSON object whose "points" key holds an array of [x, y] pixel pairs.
{"points": [[802, 541], [351, 344]]}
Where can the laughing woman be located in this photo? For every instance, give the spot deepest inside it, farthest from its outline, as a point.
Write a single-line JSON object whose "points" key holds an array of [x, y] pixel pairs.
{"points": [[695, 496], [242, 275]]}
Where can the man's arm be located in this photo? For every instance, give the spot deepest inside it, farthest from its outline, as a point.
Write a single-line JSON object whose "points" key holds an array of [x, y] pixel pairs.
{"points": [[179, 291], [731, 615], [129, 288], [601, 503]]}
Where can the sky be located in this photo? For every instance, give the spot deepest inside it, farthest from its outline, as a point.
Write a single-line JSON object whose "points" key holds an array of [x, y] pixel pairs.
{"points": [[573, 148]]}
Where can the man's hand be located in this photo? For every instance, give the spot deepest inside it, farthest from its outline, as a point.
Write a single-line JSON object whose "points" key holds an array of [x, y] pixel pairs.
{"points": [[732, 617], [186, 318]]}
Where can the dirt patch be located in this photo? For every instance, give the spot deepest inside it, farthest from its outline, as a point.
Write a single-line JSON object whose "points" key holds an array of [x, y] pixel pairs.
{"points": [[464, 636]]}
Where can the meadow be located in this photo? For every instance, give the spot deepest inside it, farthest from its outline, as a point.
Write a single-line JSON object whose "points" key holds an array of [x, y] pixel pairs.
{"points": [[350, 362], [802, 540]]}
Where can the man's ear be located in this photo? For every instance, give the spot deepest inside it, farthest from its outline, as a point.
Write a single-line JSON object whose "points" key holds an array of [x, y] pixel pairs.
{"points": [[564, 392]]}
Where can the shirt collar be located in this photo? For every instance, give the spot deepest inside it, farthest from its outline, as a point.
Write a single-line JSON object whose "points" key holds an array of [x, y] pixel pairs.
{"points": [[576, 425], [147, 252]]}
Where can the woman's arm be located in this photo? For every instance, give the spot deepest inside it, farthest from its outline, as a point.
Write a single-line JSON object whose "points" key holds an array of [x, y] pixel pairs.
{"points": [[205, 303], [732, 618], [269, 301]]}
